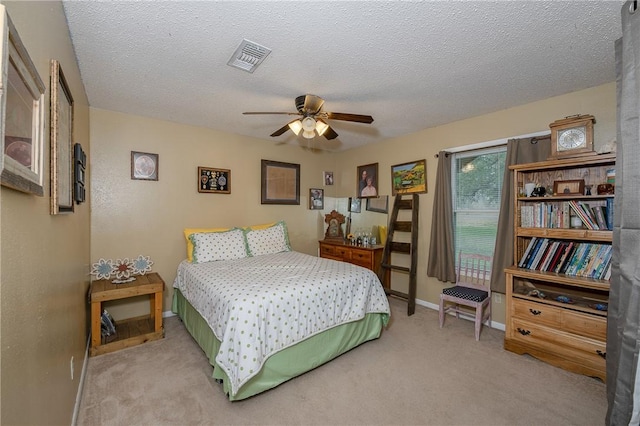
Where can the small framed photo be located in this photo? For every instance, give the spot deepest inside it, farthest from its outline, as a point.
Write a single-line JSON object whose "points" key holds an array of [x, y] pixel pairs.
{"points": [[144, 166], [316, 199], [367, 180], [379, 204], [354, 205], [214, 181], [568, 187], [409, 178], [328, 178]]}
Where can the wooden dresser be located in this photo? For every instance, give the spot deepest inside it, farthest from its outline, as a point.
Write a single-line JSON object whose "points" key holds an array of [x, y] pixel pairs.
{"points": [[368, 257]]}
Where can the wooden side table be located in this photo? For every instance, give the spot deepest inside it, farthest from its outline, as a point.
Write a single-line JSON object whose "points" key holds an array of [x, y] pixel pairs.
{"points": [[131, 331]]}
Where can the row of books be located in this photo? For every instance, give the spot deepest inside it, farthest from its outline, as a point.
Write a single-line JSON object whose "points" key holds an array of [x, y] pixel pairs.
{"points": [[558, 214], [582, 259]]}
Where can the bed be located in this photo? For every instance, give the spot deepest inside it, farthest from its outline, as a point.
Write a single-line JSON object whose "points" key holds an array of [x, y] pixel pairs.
{"points": [[271, 314]]}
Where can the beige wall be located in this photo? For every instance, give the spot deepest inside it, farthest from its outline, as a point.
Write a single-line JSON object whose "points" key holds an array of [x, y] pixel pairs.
{"points": [[530, 118], [43, 258], [133, 217]]}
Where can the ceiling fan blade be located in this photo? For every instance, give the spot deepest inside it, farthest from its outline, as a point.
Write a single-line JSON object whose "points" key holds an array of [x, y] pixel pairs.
{"points": [[282, 129], [313, 104], [350, 117], [330, 133], [279, 113]]}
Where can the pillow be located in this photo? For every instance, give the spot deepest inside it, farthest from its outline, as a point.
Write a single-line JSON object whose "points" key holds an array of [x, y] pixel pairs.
{"points": [[189, 231], [213, 246], [273, 239]]}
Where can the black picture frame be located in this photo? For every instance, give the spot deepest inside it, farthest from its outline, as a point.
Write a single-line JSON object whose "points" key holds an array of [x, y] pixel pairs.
{"points": [[316, 199], [280, 183], [79, 173], [214, 181], [355, 204]]}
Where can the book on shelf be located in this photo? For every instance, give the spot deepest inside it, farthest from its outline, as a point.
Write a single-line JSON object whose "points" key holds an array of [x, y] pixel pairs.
{"points": [[609, 207], [582, 214], [600, 214], [566, 254], [541, 251], [527, 252], [534, 252], [544, 263], [551, 266]]}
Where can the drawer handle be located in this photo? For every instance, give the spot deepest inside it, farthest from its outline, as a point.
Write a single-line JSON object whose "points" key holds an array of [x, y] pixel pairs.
{"points": [[523, 332], [602, 354], [535, 311]]}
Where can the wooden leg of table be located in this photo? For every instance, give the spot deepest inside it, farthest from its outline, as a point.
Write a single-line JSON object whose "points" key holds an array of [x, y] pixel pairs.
{"points": [[95, 324], [156, 310]]}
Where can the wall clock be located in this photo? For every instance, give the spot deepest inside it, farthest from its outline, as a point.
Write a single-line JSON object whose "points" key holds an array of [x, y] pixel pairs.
{"points": [[572, 136]]}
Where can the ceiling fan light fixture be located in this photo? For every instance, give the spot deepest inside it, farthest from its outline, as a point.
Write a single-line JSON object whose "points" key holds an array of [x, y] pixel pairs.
{"points": [[308, 135], [296, 127], [321, 127], [308, 124]]}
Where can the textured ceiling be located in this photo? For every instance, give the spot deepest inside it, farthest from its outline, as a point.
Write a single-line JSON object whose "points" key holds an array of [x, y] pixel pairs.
{"points": [[411, 65]]}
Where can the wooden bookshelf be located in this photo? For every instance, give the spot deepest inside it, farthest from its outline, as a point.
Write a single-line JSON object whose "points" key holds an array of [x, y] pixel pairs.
{"points": [[559, 317]]}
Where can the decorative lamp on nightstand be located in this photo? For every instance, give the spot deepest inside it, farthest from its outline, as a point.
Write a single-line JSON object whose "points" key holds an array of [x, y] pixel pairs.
{"points": [[572, 136]]}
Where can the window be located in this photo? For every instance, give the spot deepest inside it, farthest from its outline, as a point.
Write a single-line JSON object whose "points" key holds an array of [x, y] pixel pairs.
{"points": [[476, 191]]}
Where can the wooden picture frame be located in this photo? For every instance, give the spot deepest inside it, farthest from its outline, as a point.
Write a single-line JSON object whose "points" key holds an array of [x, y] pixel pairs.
{"points": [[409, 178], [61, 135], [22, 114], [378, 204], [316, 199], [367, 177], [568, 187], [355, 205], [214, 181], [79, 172], [144, 166], [280, 183]]}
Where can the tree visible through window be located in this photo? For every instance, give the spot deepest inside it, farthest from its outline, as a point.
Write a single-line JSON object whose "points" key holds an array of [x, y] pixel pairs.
{"points": [[477, 188]]}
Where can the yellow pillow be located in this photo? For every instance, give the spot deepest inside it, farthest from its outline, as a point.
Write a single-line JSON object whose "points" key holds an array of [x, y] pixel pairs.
{"points": [[189, 231]]}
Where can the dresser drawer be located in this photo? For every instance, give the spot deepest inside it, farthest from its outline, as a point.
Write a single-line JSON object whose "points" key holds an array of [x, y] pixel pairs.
{"points": [[343, 252], [536, 312], [362, 258], [327, 250], [583, 324], [576, 348]]}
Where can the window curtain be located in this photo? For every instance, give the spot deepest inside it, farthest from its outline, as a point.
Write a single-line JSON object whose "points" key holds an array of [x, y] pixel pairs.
{"points": [[623, 321], [441, 262], [519, 151]]}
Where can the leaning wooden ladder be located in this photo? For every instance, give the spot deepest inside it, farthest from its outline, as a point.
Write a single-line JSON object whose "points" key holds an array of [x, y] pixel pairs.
{"points": [[402, 248]]}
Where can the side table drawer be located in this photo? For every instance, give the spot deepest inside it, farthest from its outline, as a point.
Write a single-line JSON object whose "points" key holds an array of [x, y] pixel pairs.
{"points": [[344, 253], [536, 312]]}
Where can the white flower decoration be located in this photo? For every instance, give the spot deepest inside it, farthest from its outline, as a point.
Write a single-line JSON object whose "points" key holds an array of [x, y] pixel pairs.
{"points": [[141, 265], [103, 269], [123, 268]]}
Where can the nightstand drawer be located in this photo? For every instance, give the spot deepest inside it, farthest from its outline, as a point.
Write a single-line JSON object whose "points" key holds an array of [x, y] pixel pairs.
{"points": [[343, 252], [362, 258]]}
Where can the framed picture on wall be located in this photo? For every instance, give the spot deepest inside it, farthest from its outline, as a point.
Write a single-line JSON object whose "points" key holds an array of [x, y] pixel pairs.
{"points": [[144, 166], [61, 142], [316, 199], [355, 205], [214, 181], [367, 180], [378, 204], [22, 130], [409, 178], [280, 182], [328, 178]]}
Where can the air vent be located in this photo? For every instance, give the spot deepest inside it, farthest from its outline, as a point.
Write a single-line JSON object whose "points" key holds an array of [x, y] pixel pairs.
{"points": [[248, 56]]}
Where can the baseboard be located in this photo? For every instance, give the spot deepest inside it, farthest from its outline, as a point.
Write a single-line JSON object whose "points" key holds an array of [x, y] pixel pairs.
{"points": [[435, 307], [83, 373]]}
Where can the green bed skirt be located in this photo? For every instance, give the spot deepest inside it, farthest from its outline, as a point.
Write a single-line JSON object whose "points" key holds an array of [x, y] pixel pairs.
{"points": [[288, 363]]}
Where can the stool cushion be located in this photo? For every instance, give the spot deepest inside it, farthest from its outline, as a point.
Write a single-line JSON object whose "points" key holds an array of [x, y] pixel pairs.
{"points": [[466, 293]]}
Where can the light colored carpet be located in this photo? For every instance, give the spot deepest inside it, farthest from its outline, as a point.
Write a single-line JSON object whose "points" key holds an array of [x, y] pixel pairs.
{"points": [[416, 373]]}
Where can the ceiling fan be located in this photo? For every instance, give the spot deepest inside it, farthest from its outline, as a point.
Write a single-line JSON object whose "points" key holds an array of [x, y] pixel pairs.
{"points": [[313, 120]]}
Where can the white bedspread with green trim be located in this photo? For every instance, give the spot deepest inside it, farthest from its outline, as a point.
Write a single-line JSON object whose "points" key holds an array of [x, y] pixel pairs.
{"points": [[257, 306]]}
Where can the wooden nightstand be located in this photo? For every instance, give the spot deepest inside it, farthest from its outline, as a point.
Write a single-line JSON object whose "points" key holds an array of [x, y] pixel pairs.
{"points": [[131, 331]]}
